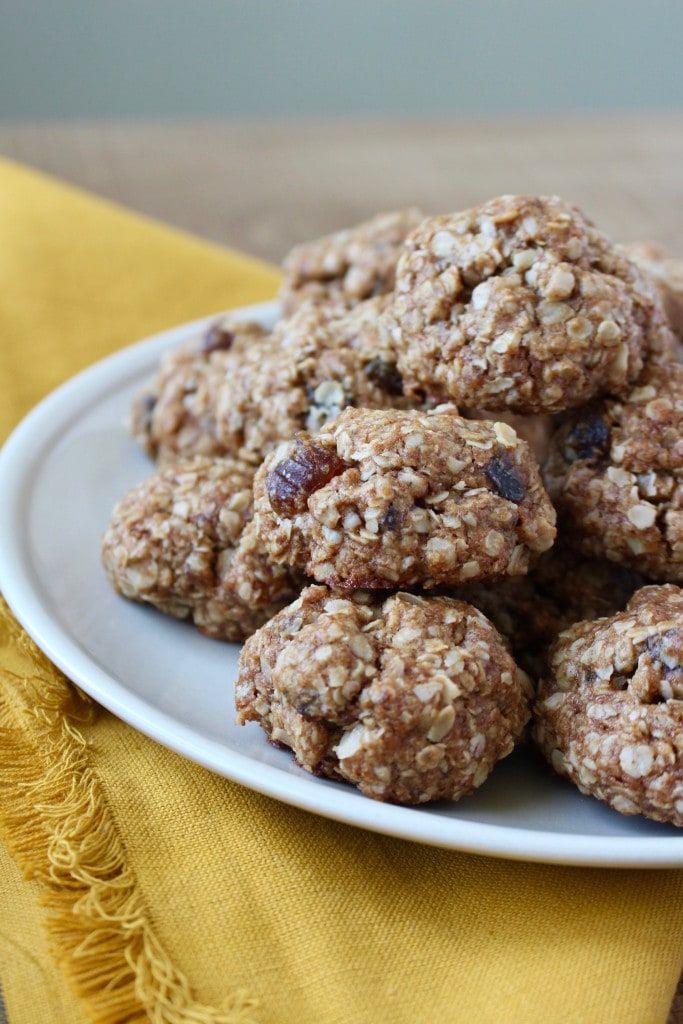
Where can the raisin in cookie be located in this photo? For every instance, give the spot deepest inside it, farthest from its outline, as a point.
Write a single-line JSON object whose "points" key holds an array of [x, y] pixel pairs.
{"points": [[183, 542], [174, 416], [349, 266], [562, 588], [522, 304], [609, 716], [387, 498], [615, 472], [410, 699]]}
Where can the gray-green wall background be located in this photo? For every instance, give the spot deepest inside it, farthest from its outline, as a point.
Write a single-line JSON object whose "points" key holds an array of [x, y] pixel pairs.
{"points": [[170, 58]]}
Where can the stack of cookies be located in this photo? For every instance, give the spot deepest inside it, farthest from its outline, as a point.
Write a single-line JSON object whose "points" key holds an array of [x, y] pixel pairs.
{"points": [[454, 464]]}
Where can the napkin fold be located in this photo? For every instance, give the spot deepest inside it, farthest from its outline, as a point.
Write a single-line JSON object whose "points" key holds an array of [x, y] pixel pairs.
{"points": [[143, 888]]}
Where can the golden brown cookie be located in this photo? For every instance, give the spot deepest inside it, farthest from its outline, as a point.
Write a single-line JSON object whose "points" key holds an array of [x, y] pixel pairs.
{"points": [[609, 715], [399, 498], [183, 542], [521, 304], [242, 402], [615, 473], [349, 266], [174, 416], [563, 587], [667, 274], [411, 699]]}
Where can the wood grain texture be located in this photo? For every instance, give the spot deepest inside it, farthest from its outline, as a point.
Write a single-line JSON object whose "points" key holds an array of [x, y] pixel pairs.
{"points": [[262, 187]]}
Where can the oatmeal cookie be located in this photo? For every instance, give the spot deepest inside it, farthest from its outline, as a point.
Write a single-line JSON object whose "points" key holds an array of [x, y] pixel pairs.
{"points": [[609, 716], [667, 273], [397, 498], [319, 365], [349, 266], [522, 304], [183, 542], [242, 404], [561, 589], [410, 699], [615, 472], [174, 416]]}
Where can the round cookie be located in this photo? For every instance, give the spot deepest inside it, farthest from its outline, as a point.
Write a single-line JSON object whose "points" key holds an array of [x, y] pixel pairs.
{"points": [[615, 473], [398, 498], [242, 403], [174, 416], [183, 542], [410, 699], [320, 364], [667, 274], [561, 589], [346, 267], [521, 304], [609, 716]]}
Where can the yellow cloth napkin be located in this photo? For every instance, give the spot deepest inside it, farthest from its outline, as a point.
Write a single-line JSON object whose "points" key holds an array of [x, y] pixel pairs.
{"points": [[170, 895]]}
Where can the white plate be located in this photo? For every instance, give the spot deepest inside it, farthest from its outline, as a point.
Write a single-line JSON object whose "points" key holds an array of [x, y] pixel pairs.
{"points": [[60, 474]]}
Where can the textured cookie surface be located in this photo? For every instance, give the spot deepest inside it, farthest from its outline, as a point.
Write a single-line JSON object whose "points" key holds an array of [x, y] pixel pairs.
{"points": [[410, 699], [318, 364], [536, 430], [667, 274], [244, 400], [348, 266], [380, 499], [609, 715], [521, 303], [182, 541], [615, 472], [174, 416], [563, 588]]}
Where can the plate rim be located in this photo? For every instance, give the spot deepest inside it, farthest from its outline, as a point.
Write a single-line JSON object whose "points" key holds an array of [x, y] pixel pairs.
{"points": [[22, 453]]}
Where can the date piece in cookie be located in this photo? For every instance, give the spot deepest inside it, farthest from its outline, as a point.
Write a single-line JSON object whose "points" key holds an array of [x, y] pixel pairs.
{"points": [[615, 473], [411, 699], [183, 542], [521, 304], [349, 266], [397, 498], [609, 715]]}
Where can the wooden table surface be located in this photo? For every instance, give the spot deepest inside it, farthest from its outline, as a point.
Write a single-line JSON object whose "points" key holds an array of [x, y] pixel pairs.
{"points": [[262, 187]]}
